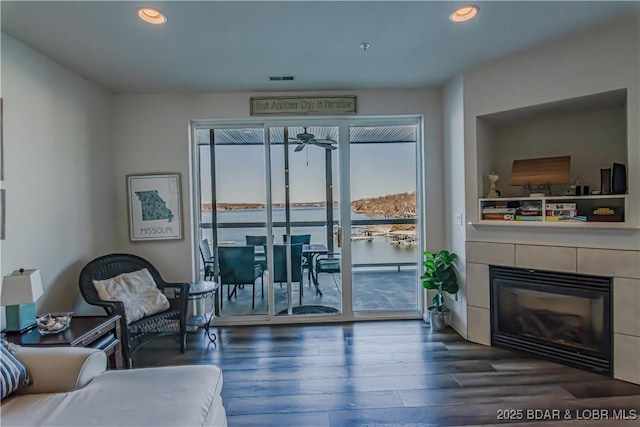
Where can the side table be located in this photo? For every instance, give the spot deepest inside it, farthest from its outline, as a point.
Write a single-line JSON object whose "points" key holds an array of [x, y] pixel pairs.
{"points": [[201, 291], [102, 332]]}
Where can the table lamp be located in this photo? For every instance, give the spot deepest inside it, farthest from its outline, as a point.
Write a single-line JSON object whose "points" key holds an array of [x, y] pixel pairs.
{"points": [[20, 290]]}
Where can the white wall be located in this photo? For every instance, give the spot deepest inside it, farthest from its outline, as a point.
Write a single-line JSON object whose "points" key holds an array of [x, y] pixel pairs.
{"points": [[601, 60], [597, 61], [59, 172], [593, 139], [453, 131], [484, 154], [152, 135], [2, 313]]}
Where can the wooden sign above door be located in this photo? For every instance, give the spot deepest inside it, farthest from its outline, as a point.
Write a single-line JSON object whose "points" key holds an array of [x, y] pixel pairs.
{"points": [[303, 105]]}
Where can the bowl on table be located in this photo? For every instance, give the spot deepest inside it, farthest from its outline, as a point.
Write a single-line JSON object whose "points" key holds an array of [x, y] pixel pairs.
{"points": [[53, 323]]}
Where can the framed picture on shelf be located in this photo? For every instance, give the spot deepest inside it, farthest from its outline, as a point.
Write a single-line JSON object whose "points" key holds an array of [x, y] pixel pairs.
{"points": [[155, 207]]}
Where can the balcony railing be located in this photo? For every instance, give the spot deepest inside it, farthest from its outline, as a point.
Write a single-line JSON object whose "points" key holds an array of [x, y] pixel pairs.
{"points": [[295, 224]]}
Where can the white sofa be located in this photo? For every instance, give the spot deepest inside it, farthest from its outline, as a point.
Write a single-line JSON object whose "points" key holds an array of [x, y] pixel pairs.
{"points": [[71, 387]]}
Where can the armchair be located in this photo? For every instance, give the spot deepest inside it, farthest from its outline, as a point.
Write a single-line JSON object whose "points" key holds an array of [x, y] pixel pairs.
{"points": [[138, 333]]}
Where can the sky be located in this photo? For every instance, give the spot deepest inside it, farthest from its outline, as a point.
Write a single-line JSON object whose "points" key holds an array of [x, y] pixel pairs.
{"points": [[376, 170]]}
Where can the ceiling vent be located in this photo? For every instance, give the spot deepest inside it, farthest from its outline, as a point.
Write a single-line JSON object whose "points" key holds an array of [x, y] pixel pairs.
{"points": [[280, 78]]}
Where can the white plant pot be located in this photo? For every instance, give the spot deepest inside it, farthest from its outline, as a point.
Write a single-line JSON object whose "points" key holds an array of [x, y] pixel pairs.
{"points": [[439, 320]]}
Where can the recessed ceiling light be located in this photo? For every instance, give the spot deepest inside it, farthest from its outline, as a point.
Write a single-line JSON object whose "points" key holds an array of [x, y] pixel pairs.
{"points": [[464, 13], [152, 16]]}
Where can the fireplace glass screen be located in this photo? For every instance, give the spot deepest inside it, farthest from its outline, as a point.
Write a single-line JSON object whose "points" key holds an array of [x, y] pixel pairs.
{"points": [[564, 317], [561, 319]]}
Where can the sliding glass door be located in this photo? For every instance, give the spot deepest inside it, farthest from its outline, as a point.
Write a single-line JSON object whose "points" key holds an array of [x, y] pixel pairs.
{"points": [[278, 194], [384, 231], [233, 207], [328, 210], [304, 176]]}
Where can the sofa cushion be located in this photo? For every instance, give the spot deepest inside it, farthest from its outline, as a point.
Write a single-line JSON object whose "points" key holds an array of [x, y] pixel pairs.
{"points": [[13, 374], [137, 291], [64, 368], [30, 409]]}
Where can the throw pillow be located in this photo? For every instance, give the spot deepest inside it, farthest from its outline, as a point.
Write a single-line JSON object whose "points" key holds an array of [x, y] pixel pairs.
{"points": [[137, 291], [13, 374]]}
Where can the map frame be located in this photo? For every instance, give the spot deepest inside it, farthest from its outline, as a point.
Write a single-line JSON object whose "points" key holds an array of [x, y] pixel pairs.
{"points": [[154, 205]]}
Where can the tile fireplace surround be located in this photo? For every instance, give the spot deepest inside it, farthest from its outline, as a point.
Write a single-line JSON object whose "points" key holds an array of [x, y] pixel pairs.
{"points": [[622, 265]]}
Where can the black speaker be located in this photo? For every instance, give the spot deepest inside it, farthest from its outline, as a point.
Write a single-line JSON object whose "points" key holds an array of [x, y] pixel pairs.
{"points": [[605, 181], [619, 179]]}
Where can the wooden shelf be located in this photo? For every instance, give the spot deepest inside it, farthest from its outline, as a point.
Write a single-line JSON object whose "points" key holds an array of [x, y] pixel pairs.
{"points": [[591, 196], [552, 224], [583, 205]]}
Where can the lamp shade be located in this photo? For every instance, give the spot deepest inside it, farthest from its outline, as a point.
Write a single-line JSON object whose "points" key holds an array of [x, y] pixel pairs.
{"points": [[21, 287]]}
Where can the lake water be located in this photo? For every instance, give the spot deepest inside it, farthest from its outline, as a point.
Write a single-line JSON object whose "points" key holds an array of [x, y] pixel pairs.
{"points": [[380, 249]]}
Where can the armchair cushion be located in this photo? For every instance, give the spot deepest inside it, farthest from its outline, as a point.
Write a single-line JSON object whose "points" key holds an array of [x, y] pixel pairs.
{"points": [[137, 291]]}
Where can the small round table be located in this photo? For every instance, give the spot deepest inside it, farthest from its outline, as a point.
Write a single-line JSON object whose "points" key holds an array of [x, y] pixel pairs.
{"points": [[201, 291]]}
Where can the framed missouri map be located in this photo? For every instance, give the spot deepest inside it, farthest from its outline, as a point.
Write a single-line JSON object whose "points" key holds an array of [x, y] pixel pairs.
{"points": [[155, 208]]}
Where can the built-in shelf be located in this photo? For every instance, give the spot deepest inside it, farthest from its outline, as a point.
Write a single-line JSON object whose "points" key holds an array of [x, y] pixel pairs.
{"points": [[589, 131], [565, 225], [563, 198], [603, 211]]}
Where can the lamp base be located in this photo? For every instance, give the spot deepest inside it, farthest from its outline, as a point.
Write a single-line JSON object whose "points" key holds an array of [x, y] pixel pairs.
{"points": [[21, 317]]}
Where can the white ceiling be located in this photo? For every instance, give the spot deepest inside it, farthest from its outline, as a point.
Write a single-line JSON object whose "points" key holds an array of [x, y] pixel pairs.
{"points": [[237, 45]]}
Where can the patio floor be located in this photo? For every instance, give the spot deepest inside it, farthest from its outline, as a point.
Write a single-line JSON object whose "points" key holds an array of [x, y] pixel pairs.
{"points": [[373, 290]]}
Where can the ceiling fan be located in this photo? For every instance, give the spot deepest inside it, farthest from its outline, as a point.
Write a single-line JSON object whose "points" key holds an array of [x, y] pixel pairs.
{"points": [[306, 138]]}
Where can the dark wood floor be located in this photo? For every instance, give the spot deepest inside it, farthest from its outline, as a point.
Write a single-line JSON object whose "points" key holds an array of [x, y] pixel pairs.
{"points": [[392, 373]]}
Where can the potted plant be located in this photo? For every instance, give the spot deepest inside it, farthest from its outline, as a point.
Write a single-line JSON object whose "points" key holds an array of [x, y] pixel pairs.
{"points": [[440, 275]]}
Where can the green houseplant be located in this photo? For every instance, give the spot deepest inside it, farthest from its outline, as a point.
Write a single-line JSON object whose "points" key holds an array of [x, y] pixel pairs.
{"points": [[440, 275]]}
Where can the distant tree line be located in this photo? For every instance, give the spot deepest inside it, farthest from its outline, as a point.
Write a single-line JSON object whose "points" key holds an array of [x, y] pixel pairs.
{"points": [[393, 206], [396, 206]]}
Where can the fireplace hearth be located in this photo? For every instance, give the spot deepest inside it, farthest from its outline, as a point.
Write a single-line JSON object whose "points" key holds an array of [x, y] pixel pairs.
{"points": [[561, 317]]}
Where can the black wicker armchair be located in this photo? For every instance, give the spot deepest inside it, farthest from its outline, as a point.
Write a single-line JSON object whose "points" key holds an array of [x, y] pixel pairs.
{"points": [[138, 333]]}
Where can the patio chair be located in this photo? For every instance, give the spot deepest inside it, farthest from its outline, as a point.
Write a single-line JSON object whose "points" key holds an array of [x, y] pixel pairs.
{"points": [[207, 259], [137, 333], [327, 263], [238, 267], [258, 241], [280, 264], [298, 238], [306, 259]]}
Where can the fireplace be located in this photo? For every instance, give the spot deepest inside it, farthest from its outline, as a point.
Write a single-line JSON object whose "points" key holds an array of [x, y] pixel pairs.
{"points": [[561, 317]]}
